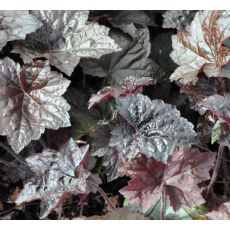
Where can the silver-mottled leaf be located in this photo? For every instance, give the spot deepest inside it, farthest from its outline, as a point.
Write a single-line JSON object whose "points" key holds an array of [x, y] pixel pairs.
{"points": [[51, 188], [15, 25], [64, 38], [55, 176], [71, 156], [178, 19], [202, 48], [31, 100], [218, 105], [154, 128], [131, 61]]}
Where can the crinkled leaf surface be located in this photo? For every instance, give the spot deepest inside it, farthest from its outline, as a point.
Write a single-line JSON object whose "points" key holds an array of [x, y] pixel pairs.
{"points": [[131, 61], [64, 38], [144, 187], [16, 24], [218, 105], [154, 128], [129, 85], [179, 178], [201, 48], [55, 176], [30, 101]]}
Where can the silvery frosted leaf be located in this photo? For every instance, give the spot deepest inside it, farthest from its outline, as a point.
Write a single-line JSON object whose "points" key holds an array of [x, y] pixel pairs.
{"points": [[64, 38], [40, 163], [218, 105], [129, 85], [202, 48], [154, 128], [131, 61], [15, 25], [56, 178], [30, 101], [52, 188], [71, 156], [178, 19]]}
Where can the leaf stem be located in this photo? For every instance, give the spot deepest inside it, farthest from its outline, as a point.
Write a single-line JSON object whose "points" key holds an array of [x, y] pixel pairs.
{"points": [[163, 205], [60, 211], [107, 200], [10, 151], [13, 165], [216, 169]]}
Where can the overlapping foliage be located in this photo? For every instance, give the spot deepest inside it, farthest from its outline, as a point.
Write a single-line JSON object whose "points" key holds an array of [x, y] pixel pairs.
{"points": [[150, 141]]}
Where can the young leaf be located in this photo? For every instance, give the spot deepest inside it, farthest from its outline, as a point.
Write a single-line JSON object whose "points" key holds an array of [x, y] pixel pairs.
{"points": [[129, 85], [131, 61], [154, 128], [202, 48], [64, 38], [56, 176], [16, 24], [179, 179], [31, 100], [216, 131], [218, 105]]}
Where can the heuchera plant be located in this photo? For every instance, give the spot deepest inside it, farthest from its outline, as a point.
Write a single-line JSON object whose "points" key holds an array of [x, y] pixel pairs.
{"points": [[89, 114]]}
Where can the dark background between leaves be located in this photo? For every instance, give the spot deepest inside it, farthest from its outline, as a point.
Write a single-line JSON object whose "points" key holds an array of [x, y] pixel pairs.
{"points": [[160, 39]]}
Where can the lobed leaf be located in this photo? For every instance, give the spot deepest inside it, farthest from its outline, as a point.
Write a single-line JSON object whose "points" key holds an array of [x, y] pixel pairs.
{"points": [[31, 100], [64, 38], [202, 48], [56, 178], [132, 60], [178, 178], [16, 24], [154, 128]]}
